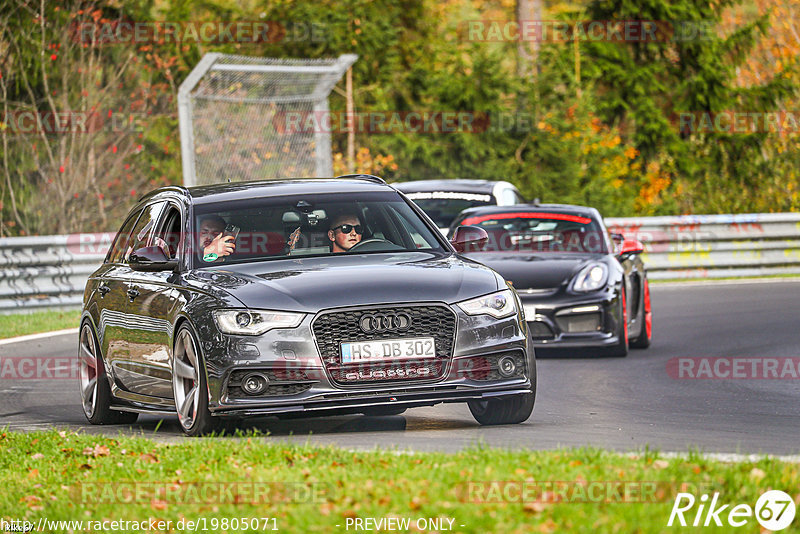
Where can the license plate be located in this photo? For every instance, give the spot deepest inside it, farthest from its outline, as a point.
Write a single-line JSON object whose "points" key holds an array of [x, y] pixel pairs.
{"points": [[389, 349]]}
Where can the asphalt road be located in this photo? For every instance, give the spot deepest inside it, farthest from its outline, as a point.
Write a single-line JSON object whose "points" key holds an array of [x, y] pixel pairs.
{"points": [[623, 404]]}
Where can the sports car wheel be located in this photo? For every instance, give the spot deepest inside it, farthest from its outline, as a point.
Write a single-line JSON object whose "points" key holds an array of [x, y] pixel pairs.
{"points": [[95, 391], [503, 411], [620, 350], [189, 386], [642, 341]]}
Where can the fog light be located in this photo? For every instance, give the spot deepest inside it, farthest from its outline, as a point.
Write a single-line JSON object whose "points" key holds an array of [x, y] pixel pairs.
{"points": [[507, 366], [243, 319], [255, 384]]}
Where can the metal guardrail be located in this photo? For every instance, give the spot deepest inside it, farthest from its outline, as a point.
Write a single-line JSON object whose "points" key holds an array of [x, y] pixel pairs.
{"points": [[51, 271], [716, 246], [48, 271]]}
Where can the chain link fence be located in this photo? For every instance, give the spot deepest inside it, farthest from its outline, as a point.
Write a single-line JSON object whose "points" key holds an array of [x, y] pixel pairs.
{"points": [[233, 109]]}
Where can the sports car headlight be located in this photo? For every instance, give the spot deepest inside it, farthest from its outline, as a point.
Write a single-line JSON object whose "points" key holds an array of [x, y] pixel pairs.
{"points": [[590, 278], [254, 323], [498, 305]]}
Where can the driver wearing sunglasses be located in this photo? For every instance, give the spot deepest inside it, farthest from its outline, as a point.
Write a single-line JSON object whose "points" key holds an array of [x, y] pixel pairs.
{"points": [[346, 231]]}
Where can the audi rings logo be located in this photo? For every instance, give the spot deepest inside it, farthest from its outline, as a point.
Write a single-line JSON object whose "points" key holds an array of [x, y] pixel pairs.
{"points": [[372, 323]]}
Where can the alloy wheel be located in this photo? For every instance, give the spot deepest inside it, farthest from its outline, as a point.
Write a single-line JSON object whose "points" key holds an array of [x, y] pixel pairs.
{"points": [[88, 371], [186, 379]]}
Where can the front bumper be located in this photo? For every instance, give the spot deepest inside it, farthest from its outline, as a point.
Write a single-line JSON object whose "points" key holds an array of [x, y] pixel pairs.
{"points": [[301, 382], [559, 320]]}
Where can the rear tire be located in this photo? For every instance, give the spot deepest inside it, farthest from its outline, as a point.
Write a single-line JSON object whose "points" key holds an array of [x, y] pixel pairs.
{"points": [[189, 386], [509, 410], [95, 390]]}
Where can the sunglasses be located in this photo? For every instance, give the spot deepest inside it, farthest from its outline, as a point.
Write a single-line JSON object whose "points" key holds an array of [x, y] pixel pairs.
{"points": [[347, 228]]}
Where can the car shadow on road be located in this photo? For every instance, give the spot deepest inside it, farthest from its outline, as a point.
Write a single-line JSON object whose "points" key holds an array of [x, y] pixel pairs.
{"points": [[336, 424]]}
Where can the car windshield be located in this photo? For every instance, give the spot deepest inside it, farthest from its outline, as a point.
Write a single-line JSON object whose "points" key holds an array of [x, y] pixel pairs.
{"points": [[443, 206], [308, 225], [534, 232]]}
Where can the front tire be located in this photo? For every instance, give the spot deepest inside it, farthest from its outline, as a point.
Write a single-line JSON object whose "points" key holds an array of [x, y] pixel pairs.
{"points": [[620, 350], [189, 386], [642, 341], [94, 388], [509, 410]]}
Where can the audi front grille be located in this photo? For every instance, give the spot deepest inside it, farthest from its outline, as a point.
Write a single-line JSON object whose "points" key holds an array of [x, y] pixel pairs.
{"points": [[332, 328]]}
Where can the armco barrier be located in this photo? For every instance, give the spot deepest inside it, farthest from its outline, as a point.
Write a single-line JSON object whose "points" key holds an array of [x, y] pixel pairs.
{"points": [[716, 246], [51, 271], [48, 271]]}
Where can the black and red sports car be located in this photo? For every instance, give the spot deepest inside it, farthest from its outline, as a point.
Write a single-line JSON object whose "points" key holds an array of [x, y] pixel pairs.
{"points": [[583, 289]]}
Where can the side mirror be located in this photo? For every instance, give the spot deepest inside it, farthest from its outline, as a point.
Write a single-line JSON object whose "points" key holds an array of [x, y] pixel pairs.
{"points": [[469, 239], [151, 259], [630, 247]]}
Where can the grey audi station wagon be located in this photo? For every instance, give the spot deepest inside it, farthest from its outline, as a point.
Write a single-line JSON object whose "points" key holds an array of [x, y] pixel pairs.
{"points": [[316, 296]]}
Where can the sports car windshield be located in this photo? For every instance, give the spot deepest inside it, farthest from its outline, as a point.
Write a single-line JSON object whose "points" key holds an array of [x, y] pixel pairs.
{"points": [[308, 225], [443, 206], [534, 232]]}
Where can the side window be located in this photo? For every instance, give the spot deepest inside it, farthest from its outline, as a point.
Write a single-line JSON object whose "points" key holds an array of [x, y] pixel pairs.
{"points": [[518, 198], [145, 226], [123, 238], [168, 236]]}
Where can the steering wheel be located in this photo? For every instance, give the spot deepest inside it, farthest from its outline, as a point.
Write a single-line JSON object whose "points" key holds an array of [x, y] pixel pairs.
{"points": [[374, 243]]}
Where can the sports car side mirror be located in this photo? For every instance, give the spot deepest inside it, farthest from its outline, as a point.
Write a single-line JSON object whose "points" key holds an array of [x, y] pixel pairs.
{"points": [[630, 247], [469, 239], [151, 259]]}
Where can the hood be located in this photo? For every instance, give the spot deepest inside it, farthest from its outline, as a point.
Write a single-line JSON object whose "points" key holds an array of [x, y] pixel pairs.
{"points": [[312, 284], [536, 271]]}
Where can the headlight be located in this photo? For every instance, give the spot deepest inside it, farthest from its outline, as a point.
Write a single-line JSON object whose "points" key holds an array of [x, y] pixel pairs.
{"points": [[498, 305], [590, 278], [254, 323]]}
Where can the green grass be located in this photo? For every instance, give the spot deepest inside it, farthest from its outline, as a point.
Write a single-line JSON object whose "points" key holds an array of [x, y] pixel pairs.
{"points": [[21, 324], [67, 476]]}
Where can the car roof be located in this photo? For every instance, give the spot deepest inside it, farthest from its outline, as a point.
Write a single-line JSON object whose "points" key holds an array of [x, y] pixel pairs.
{"points": [[567, 209], [455, 185], [205, 194]]}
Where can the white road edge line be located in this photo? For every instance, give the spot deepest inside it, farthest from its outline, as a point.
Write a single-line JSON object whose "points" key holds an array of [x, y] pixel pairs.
{"points": [[43, 335], [726, 457], [711, 282]]}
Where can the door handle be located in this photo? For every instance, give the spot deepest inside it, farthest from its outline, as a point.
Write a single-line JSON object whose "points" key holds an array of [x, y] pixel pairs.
{"points": [[133, 293], [103, 289]]}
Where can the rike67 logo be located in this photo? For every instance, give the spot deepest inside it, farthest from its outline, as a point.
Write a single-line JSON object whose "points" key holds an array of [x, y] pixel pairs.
{"points": [[774, 511]]}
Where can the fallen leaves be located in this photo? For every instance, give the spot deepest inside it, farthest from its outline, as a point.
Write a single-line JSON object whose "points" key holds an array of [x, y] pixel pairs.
{"points": [[97, 451], [149, 458], [535, 507], [660, 464]]}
